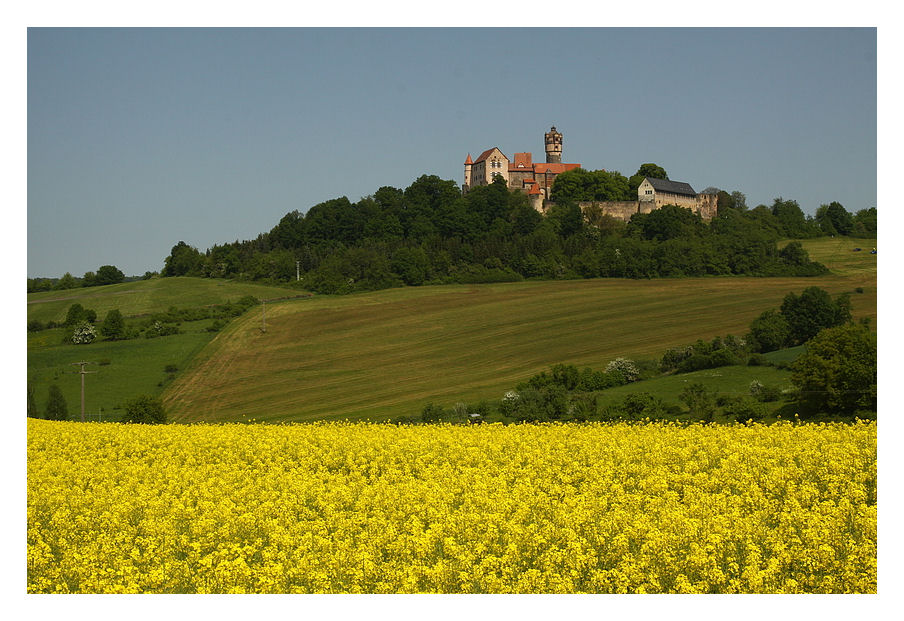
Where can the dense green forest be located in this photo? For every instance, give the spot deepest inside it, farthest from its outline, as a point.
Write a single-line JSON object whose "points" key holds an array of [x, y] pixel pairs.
{"points": [[432, 233]]}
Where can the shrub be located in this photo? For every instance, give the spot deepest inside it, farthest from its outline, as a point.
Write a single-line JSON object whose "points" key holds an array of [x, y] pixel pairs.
{"points": [[144, 409], [56, 408], [812, 311], [763, 392], [31, 404], [626, 367], [247, 302], [583, 409], [743, 409], [160, 329], [83, 333], [566, 375], [758, 360], [837, 374], [769, 331], [548, 403], [482, 409], [75, 314], [432, 413], [723, 358], [639, 404], [635, 406], [509, 402], [675, 356], [598, 380], [113, 326], [699, 401], [170, 368], [35, 325]]}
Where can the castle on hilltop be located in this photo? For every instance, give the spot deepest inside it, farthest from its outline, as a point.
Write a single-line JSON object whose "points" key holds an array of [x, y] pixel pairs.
{"points": [[536, 181]]}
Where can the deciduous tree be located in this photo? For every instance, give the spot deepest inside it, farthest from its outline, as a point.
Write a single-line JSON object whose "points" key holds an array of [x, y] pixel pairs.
{"points": [[700, 401], [837, 374], [108, 275], [812, 311], [183, 260], [769, 332], [144, 409], [113, 326]]}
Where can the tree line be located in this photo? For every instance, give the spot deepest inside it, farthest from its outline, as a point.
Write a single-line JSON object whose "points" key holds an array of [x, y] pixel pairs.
{"points": [[82, 326], [432, 233], [105, 275]]}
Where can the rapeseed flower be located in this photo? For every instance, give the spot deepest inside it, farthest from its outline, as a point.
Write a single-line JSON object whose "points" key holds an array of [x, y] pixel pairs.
{"points": [[379, 508]]}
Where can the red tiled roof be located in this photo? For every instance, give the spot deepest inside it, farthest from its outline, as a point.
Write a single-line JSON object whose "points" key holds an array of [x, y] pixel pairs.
{"points": [[554, 168], [535, 189], [468, 161], [522, 161], [486, 154]]}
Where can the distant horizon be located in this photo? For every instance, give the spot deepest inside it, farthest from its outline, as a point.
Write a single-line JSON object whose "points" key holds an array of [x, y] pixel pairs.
{"points": [[140, 138]]}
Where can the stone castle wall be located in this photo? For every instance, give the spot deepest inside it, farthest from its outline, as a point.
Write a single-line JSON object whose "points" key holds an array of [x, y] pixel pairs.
{"points": [[623, 210]]}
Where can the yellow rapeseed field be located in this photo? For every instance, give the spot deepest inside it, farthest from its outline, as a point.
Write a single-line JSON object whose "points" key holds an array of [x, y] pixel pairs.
{"points": [[377, 508]]}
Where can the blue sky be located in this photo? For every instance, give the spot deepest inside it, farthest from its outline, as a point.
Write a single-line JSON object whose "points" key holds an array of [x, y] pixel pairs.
{"points": [[139, 138]]}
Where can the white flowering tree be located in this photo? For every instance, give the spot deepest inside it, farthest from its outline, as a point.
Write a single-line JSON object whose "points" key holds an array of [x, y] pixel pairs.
{"points": [[626, 367], [83, 333], [510, 401]]}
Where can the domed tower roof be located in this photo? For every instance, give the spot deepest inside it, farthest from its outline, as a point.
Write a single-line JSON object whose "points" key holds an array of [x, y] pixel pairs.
{"points": [[553, 141]]}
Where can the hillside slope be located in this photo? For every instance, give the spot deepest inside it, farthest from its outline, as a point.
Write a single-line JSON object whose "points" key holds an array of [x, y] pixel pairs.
{"points": [[387, 353], [148, 296]]}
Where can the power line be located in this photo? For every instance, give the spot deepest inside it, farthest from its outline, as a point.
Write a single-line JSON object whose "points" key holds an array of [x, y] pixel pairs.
{"points": [[83, 372]]}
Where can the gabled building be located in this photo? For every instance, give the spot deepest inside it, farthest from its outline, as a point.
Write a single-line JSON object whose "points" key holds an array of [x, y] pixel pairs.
{"points": [[654, 193], [522, 174]]}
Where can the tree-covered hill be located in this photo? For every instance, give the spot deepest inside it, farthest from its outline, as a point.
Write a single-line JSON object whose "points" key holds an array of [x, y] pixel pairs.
{"points": [[432, 233]]}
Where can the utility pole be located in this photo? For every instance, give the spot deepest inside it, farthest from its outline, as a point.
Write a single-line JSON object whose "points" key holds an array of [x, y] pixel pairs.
{"points": [[83, 372], [297, 270]]}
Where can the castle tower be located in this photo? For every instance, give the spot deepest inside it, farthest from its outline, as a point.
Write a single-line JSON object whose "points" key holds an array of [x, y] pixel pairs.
{"points": [[468, 163], [553, 146]]}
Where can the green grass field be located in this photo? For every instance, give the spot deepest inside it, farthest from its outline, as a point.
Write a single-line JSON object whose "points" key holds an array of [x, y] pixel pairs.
{"points": [[135, 366], [731, 381], [148, 296], [385, 354], [837, 253], [128, 369]]}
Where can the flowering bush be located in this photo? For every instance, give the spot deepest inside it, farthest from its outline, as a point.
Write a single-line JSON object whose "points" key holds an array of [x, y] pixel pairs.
{"points": [[510, 401], [381, 508], [626, 367], [83, 333]]}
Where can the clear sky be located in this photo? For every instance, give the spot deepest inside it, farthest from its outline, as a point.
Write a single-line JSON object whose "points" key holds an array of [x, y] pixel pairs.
{"points": [[139, 138]]}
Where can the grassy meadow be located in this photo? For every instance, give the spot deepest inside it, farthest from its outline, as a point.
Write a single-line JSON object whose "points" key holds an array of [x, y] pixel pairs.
{"points": [[148, 296], [124, 369], [385, 354]]}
